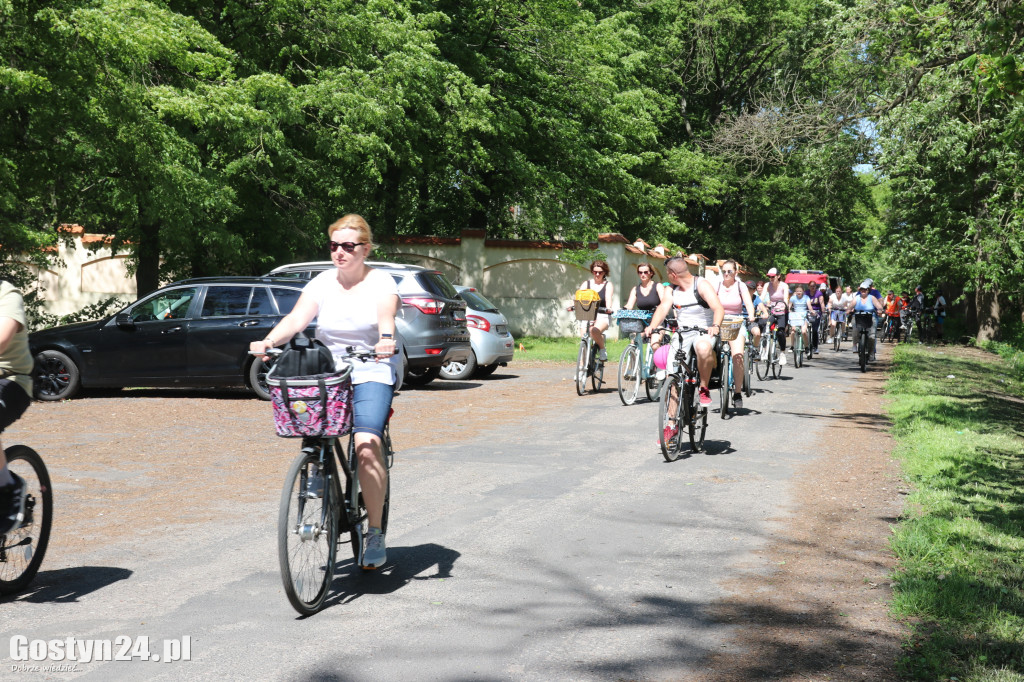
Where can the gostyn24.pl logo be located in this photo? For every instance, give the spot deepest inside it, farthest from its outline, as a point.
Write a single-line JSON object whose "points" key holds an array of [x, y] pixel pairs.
{"points": [[121, 648]]}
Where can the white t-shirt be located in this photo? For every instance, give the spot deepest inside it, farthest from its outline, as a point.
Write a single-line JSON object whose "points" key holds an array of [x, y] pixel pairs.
{"points": [[350, 319]]}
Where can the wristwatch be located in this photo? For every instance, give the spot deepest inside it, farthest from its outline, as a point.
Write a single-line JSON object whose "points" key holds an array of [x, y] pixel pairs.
{"points": [[387, 336]]}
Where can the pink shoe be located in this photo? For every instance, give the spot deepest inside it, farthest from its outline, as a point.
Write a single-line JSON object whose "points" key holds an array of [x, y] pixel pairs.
{"points": [[669, 433], [705, 397]]}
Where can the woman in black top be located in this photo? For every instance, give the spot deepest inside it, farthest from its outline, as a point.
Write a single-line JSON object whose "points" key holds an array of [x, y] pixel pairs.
{"points": [[647, 295], [600, 284]]}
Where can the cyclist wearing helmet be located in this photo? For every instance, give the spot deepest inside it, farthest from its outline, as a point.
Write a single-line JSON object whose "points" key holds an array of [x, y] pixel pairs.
{"points": [[864, 302], [777, 294]]}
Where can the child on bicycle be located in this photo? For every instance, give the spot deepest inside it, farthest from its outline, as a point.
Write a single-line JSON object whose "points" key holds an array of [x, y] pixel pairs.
{"points": [[15, 389]]}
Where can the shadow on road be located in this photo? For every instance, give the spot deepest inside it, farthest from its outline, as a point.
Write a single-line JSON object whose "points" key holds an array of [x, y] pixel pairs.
{"points": [[68, 584], [405, 564]]}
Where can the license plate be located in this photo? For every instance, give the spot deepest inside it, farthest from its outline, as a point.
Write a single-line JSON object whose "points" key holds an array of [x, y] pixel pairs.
{"points": [[501, 329]]}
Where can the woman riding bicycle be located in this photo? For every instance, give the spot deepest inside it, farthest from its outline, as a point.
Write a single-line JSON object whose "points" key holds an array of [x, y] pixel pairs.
{"points": [[355, 305], [736, 301], [777, 293], [647, 295], [864, 302], [15, 389], [599, 283], [799, 306]]}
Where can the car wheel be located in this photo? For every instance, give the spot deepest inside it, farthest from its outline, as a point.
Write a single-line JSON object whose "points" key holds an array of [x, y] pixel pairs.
{"points": [[486, 370], [55, 376], [421, 376], [258, 378], [459, 369]]}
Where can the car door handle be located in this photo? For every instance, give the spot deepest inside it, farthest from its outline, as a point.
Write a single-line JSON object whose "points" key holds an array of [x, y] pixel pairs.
{"points": [[249, 323], [172, 330]]}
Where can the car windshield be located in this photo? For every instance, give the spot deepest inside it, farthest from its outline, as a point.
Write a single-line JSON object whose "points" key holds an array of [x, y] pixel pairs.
{"points": [[477, 301], [437, 284]]}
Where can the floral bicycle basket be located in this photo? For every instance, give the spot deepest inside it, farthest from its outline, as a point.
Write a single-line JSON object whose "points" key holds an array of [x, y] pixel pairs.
{"points": [[312, 406], [586, 303], [633, 321]]}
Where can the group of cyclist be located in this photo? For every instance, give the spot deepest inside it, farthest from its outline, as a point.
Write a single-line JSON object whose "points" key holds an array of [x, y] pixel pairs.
{"points": [[700, 303]]}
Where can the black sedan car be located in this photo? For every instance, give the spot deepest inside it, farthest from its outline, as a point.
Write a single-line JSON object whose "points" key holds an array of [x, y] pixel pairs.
{"points": [[195, 332]]}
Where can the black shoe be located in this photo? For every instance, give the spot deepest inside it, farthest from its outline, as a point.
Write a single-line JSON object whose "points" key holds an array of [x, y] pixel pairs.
{"points": [[12, 504], [737, 400]]}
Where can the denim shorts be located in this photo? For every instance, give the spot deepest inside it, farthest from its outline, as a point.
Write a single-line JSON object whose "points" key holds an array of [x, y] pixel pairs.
{"points": [[371, 404]]}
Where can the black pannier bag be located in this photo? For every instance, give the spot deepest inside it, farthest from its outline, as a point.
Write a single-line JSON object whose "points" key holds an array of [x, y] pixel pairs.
{"points": [[304, 357]]}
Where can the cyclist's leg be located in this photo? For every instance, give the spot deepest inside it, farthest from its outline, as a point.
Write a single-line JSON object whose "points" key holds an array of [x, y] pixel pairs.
{"points": [[371, 403], [738, 348], [597, 331]]}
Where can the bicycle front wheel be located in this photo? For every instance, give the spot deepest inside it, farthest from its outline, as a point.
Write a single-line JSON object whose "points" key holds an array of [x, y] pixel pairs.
{"points": [[864, 352], [307, 534], [671, 446], [582, 358], [629, 374], [22, 549]]}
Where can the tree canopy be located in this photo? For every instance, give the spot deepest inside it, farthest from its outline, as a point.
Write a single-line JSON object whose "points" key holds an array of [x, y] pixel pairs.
{"points": [[221, 137]]}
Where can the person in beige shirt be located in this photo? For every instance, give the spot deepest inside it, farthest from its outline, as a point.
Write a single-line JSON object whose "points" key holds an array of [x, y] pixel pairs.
{"points": [[15, 389]]}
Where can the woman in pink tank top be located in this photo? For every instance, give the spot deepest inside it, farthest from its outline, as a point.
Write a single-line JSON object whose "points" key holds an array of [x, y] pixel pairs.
{"points": [[735, 298]]}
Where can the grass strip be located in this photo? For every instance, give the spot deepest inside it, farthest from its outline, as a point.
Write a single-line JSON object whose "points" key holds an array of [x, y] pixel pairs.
{"points": [[551, 349], [959, 423]]}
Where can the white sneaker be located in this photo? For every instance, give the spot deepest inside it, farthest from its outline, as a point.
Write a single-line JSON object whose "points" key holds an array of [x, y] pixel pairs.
{"points": [[375, 552], [782, 359], [603, 355]]}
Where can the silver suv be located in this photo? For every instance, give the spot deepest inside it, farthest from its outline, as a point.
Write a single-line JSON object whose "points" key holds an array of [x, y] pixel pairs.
{"points": [[431, 324]]}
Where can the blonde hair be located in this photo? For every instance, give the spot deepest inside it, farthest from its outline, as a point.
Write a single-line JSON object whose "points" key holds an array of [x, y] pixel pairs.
{"points": [[352, 221]]}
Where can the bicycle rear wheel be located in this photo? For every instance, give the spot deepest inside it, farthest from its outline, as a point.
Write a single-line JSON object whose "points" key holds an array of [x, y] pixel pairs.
{"points": [[764, 363], [22, 549], [582, 358], [307, 533], [597, 374], [725, 384], [671, 448], [629, 374], [696, 418], [748, 389]]}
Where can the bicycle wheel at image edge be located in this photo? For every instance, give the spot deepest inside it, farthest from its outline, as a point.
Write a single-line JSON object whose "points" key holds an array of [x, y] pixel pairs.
{"points": [[581, 367], [629, 374], [671, 449], [22, 549], [307, 536]]}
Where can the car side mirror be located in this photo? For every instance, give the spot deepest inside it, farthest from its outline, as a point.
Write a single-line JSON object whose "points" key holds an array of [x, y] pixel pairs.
{"points": [[124, 321]]}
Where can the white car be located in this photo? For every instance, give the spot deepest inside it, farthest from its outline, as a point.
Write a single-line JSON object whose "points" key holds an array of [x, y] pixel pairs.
{"points": [[493, 345]]}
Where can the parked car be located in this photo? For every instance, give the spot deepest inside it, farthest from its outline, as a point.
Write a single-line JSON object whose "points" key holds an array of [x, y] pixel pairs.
{"points": [[431, 324], [195, 332], [493, 345]]}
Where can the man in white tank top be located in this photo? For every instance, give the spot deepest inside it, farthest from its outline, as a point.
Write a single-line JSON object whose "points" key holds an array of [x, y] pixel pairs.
{"points": [[683, 283]]}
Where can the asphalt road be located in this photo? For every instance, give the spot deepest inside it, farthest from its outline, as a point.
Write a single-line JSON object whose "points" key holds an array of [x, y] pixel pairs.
{"points": [[559, 546]]}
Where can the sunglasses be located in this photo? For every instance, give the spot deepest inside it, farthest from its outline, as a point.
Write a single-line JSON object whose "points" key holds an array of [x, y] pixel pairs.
{"points": [[347, 247], [728, 272], [643, 272], [599, 271]]}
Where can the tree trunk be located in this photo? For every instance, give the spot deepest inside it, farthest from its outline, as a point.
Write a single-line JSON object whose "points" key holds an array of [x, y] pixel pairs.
{"points": [[987, 304], [147, 274]]}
